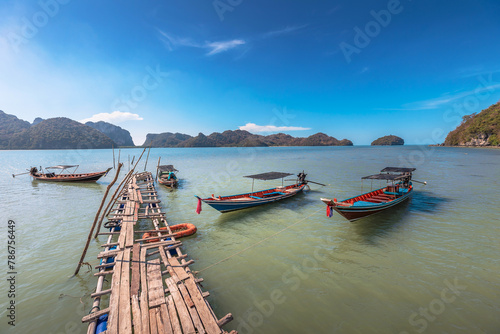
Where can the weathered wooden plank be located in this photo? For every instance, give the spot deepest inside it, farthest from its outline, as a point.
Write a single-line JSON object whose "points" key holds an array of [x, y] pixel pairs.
{"points": [[159, 321], [139, 196], [95, 315], [125, 317], [110, 253], [201, 306], [185, 295], [115, 295], [144, 293], [174, 320], [136, 275], [129, 238], [182, 310], [153, 328], [136, 315], [165, 318], [155, 285], [196, 318], [178, 268], [225, 320], [171, 270]]}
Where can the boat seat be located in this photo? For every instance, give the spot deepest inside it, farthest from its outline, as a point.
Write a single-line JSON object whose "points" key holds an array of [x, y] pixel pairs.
{"points": [[274, 193], [363, 203]]}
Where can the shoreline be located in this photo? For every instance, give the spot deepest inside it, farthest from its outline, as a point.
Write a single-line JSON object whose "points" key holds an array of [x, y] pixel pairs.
{"points": [[460, 146]]}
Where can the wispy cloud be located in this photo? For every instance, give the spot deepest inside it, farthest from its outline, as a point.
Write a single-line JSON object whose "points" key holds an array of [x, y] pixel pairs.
{"points": [[252, 127], [218, 47], [443, 101], [172, 42], [283, 31], [114, 117]]}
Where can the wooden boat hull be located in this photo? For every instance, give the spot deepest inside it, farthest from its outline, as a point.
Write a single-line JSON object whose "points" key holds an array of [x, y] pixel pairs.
{"points": [[360, 210], [245, 201], [168, 183], [86, 177]]}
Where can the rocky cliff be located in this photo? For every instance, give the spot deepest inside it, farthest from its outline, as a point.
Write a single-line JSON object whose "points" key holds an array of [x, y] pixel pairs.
{"points": [[481, 129], [120, 136]]}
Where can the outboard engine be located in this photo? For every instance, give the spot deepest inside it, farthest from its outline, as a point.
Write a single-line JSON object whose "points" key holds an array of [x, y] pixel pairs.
{"points": [[302, 177]]}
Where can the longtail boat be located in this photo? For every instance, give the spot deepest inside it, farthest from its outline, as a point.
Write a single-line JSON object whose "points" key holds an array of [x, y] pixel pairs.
{"points": [[167, 177], [261, 197], [398, 189], [65, 175]]}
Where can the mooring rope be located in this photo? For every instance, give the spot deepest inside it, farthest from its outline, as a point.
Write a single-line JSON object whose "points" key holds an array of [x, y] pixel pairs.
{"points": [[259, 242]]}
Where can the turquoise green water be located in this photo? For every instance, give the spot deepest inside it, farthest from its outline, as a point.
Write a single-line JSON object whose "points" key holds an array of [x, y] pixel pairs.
{"points": [[430, 265]]}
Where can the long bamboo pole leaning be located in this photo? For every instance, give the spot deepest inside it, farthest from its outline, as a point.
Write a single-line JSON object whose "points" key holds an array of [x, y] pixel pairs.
{"points": [[95, 220], [111, 201], [147, 158], [157, 167]]}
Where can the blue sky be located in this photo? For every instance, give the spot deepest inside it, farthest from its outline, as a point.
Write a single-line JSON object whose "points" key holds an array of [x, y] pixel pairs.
{"points": [[356, 70]]}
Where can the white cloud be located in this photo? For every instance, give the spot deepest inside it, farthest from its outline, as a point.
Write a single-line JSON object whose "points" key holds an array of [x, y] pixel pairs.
{"points": [[252, 127], [283, 31], [172, 42], [114, 117], [218, 47]]}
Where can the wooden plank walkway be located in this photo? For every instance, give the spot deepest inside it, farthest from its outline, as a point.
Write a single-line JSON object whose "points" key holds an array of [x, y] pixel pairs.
{"points": [[151, 288]]}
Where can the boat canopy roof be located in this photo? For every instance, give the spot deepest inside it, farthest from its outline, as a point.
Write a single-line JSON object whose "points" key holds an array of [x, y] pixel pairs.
{"points": [[397, 170], [61, 167], [391, 177], [269, 176], [167, 168]]}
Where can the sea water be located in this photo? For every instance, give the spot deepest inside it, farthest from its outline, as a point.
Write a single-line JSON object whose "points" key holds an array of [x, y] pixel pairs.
{"points": [[429, 265]]}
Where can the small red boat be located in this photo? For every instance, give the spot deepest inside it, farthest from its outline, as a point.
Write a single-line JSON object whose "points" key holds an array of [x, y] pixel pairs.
{"points": [[64, 175], [243, 201], [399, 190]]}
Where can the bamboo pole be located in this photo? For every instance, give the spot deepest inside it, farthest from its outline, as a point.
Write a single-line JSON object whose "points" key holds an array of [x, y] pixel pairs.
{"points": [[95, 220], [113, 148], [111, 201], [119, 151], [146, 164], [156, 178]]}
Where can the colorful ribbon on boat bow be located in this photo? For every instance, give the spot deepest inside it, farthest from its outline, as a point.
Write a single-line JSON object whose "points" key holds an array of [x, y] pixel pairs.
{"points": [[198, 207], [329, 211]]}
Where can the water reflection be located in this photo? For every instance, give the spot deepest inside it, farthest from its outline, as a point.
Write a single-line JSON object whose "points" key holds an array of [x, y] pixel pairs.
{"points": [[382, 224], [425, 201]]}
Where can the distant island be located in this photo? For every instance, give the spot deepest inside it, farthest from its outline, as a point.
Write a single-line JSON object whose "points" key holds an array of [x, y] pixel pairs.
{"points": [[240, 138], [64, 133], [388, 140], [477, 130]]}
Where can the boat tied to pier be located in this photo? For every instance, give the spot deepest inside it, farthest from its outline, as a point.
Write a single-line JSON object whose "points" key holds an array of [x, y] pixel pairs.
{"points": [[398, 189], [65, 174], [248, 200]]}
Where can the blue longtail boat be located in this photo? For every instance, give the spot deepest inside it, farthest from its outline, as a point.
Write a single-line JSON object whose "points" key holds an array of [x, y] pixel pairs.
{"points": [[261, 197], [399, 189]]}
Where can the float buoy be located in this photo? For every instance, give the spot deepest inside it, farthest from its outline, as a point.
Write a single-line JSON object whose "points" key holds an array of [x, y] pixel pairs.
{"points": [[178, 231]]}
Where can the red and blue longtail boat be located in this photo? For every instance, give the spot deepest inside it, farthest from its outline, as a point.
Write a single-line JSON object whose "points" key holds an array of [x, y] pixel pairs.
{"points": [[252, 199], [398, 189], [64, 175]]}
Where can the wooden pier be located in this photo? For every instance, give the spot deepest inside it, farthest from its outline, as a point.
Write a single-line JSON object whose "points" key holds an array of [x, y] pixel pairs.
{"points": [[145, 285]]}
